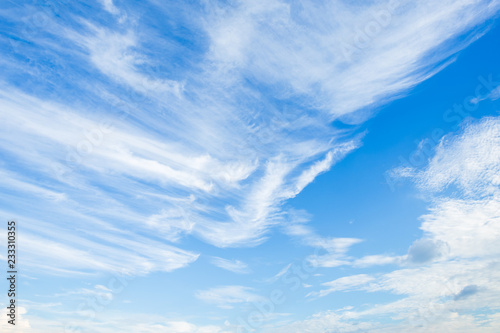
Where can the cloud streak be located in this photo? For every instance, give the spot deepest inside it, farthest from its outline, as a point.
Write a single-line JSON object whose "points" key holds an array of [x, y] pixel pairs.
{"points": [[130, 135], [235, 266]]}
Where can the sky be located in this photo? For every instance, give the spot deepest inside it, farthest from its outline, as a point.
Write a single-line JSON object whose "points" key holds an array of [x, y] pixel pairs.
{"points": [[251, 166]]}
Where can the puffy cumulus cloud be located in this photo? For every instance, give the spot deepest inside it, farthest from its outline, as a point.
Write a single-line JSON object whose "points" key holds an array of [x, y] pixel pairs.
{"points": [[470, 161], [450, 282], [469, 228], [466, 292], [469, 224], [139, 148], [21, 322], [425, 250]]}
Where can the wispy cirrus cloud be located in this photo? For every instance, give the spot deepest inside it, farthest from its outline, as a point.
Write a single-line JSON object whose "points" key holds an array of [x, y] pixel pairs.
{"points": [[186, 130], [125, 133], [235, 266], [377, 259], [227, 297], [346, 283], [303, 48]]}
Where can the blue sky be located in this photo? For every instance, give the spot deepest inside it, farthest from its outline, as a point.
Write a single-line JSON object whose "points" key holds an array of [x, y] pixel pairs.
{"points": [[260, 166]]}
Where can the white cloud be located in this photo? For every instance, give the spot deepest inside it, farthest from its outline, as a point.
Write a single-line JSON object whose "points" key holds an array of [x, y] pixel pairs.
{"points": [[235, 266], [346, 283], [492, 95], [308, 175], [113, 54], [22, 324], [302, 49], [278, 275], [185, 327], [171, 223], [425, 250], [452, 272], [471, 161], [227, 296], [110, 7], [102, 293], [111, 251], [377, 259], [12, 182], [470, 228], [336, 248], [225, 154], [108, 321], [239, 161]]}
